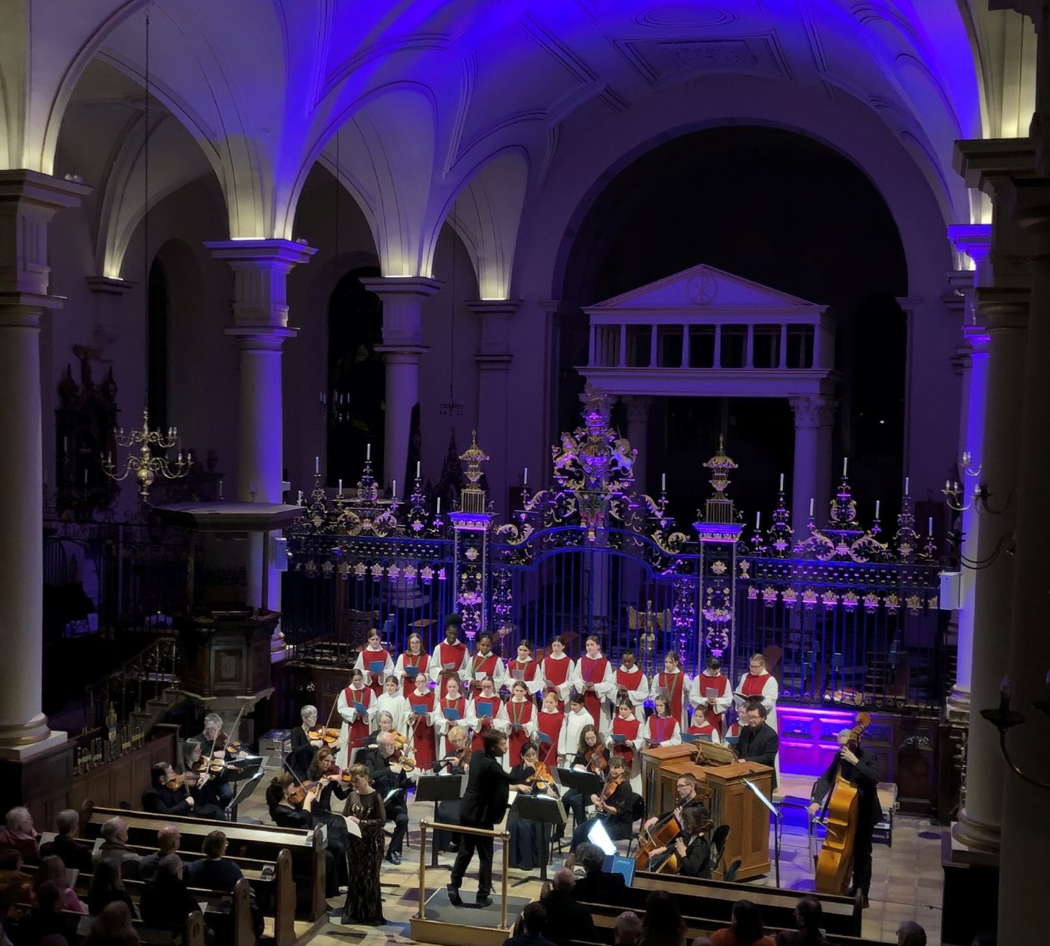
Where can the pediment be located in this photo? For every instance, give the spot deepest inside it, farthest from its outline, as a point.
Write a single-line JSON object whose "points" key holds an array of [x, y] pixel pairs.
{"points": [[703, 287]]}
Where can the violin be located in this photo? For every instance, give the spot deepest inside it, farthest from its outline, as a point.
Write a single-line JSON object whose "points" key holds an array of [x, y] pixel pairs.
{"points": [[324, 738], [177, 781], [596, 759], [541, 778], [611, 786]]}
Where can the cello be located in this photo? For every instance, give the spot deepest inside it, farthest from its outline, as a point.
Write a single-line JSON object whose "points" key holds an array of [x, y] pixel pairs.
{"points": [[835, 861]]}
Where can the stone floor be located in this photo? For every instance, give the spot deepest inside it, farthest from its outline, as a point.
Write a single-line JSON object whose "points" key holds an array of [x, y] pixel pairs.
{"points": [[906, 885]]}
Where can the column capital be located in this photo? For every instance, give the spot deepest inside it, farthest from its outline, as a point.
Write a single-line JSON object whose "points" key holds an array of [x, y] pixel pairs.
{"points": [[402, 354], [260, 278], [813, 411], [400, 286], [402, 298], [985, 163], [1002, 308], [261, 337], [109, 285], [973, 239], [287, 253], [495, 307]]}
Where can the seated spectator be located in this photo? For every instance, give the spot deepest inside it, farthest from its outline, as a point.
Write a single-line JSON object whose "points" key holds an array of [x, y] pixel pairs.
{"points": [[909, 933], [107, 887], [809, 915], [663, 924], [47, 919], [53, 871], [75, 855], [214, 871], [114, 849], [168, 841], [166, 902], [597, 886], [112, 927], [534, 923], [628, 929], [16, 886], [20, 835], [566, 918], [745, 929]]}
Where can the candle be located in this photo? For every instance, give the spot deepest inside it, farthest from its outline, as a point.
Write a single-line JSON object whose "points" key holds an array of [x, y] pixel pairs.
{"points": [[929, 526], [907, 483], [781, 487], [876, 509], [663, 482], [845, 466], [947, 486], [85, 477], [368, 451], [340, 487], [393, 489], [317, 464], [438, 510], [758, 520], [525, 477], [811, 507], [417, 469], [299, 501]]}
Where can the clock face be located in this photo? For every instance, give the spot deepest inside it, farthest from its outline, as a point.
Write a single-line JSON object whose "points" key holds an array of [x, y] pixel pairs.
{"points": [[702, 289]]}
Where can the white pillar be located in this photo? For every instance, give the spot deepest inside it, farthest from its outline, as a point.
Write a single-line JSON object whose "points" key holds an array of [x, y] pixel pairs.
{"points": [[494, 423], [28, 201], [402, 299], [811, 475], [260, 326], [638, 433]]}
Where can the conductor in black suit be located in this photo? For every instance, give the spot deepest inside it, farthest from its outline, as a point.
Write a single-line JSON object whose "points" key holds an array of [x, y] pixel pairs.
{"points": [[484, 805], [758, 740]]}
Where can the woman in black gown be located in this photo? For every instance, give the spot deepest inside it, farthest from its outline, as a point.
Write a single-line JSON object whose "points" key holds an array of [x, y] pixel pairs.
{"points": [[528, 846], [364, 807]]}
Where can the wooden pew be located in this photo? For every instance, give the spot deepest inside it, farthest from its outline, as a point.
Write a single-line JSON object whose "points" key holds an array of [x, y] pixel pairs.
{"points": [[192, 934], [260, 842], [715, 898]]}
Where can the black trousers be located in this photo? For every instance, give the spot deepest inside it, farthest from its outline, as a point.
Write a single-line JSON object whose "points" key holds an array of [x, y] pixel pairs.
{"points": [[399, 815], [468, 844], [862, 858]]}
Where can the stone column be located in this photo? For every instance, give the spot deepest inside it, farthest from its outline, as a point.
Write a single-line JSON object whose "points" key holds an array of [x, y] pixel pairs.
{"points": [[403, 298], [260, 328], [1025, 826], [638, 433], [811, 474], [28, 202], [494, 421]]}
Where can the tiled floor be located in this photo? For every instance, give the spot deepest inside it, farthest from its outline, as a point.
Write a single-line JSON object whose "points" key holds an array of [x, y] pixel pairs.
{"points": [[906, 882]]}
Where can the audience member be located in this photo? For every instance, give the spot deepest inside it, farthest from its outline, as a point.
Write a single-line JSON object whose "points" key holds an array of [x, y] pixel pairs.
{"points": [[909, 933], [745, 928], [16, 886], [628, 929], [168, 841], [114, 848], [75, 855], [534, 924], [47, 919], [213, 871], [597, 886], [107, 887], [566, 918], [53, 871], [112, 927], [166, 901], [20, 835], [809, 916], [663, 924]]}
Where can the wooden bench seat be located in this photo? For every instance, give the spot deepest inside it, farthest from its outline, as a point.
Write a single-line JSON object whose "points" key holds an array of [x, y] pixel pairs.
{"points": [[192, 932], [245, 841]]}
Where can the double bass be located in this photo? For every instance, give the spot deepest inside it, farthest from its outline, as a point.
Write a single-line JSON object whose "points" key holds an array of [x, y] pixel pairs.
{"points": [[835, 860]]}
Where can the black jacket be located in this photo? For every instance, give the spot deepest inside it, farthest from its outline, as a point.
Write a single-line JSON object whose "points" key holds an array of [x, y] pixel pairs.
{"points": [[600, 887], [863, 775], [165, 801], [488, 787], [383, 778], [217, 873], [165, 904], [697, 854], [759, 745], [567, 919], [75, 855]]}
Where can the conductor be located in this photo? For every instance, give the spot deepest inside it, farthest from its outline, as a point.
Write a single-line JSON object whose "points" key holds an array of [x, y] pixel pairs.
{"points": [[484, 805]]}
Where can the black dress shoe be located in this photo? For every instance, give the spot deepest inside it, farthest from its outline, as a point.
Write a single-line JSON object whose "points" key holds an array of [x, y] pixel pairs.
{"points": [[394, 857], [483, 901], [453, 896]]}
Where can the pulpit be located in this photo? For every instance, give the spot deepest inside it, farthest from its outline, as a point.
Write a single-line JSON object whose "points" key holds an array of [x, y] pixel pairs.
{"points": [[731, 802]]}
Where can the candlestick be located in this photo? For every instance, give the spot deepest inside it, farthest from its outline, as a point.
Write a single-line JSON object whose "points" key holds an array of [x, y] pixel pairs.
{"points": [[876, 509], [368, 451], [317, 464], [781, 487], [811, 507]]}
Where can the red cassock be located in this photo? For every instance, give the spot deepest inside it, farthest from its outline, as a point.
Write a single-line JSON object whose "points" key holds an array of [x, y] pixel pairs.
{"points": [[629, 679], [628, 728], [372, 657], [549, 725], [480, 712], [556, 672], [592, 670], [519, 714], [485, 665], [523, 671], [450, 654], [359, 728], [424, 749], [661, 728], [754, 685], [713, 722], [674, 685], [422, 661]]}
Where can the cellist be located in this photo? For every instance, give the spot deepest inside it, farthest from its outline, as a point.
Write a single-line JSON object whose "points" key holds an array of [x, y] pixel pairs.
{"points": [[857, 768]]}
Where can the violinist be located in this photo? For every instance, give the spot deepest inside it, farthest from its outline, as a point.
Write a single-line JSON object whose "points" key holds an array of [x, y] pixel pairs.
{"points": [[455, 762], [661, 729], [168, 794], [528, 841], [214, 742], [858, 768], [518, 716], [590, 757], [202, 783], [385, 764], [302, 743], [326, 777], [614, 807]]}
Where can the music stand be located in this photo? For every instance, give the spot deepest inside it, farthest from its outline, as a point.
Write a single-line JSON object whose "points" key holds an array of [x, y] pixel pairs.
{"points": [[438, 788], [776, 824], [244, 792], [586, 783], [546, 810]]}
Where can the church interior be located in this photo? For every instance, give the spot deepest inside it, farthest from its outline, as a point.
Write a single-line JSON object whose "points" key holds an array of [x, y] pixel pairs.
{"points": [[762, 555]]}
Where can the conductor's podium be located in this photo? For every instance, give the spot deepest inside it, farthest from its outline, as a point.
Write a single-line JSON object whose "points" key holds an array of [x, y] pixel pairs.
{"points": [[732, 802]]}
